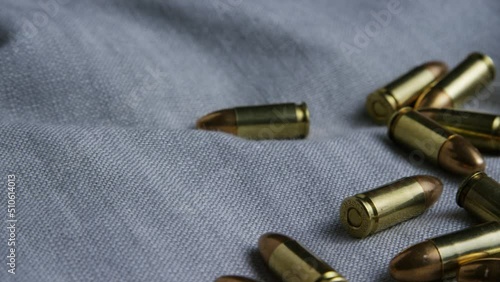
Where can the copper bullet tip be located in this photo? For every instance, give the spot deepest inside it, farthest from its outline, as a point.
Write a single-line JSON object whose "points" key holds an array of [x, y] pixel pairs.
{"points": [[421, 262], [435, 98], [234, 279], [437, 68], [460, 156], [223, 120], [269, 242], [432, 186]]}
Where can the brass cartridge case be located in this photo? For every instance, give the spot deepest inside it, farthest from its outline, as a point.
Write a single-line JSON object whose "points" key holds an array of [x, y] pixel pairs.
{"points": [[466, 79], [383, 207], [466, 245], [440, 257], [426, 138], [403, 91], [278, 121], [481, 270], [479, 194], [481, 129], [292, 262]]}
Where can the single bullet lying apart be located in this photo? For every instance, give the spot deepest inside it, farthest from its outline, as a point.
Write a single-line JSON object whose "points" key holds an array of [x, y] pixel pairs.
{"points": [[383, 207], [482, 270], [466, 79], [234, 279], [292, 262], [278, 121], [403, 91], [481, 129], [479, 194], [440, 257], [427, 139]]}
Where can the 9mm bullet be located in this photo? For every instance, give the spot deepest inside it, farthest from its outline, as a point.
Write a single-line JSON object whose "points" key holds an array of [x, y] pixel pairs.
{"points": [[403, 91], [278, 121], [426, 138], [481, 129], [291, 262], [440, 257], [466, 79], [383, 207]]}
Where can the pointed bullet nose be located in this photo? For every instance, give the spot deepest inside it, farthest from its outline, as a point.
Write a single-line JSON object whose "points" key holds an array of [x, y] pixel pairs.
{"points": [[432, 186], [223, 120], [437, 68], [420, 262], [269, 242], [460, 156]]}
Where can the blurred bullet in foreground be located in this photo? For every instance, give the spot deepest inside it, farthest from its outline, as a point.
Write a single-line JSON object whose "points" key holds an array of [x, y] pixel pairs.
{"points": [[403, 91], [234, 279], [383, 207], [291, 262], [278, 121], [440, 257], [468, 78], [427, 139], [479, 194], [482, 270], [481, 129]]}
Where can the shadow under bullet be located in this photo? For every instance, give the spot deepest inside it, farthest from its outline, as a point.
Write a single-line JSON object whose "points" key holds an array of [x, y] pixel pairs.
{"points": [[260, 267]]}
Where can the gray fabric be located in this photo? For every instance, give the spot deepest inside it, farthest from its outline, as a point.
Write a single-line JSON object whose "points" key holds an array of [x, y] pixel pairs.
{"points": [[97, 107]]}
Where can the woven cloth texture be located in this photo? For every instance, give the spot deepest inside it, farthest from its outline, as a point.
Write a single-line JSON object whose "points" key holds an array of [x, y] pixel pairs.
{"points": [[98, 101]]}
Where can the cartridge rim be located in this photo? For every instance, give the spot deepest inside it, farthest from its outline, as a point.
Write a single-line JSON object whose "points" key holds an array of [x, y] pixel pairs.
{"points": [[303, 115], [465, 186], [487, 60], [380, 105], [356, 217]]}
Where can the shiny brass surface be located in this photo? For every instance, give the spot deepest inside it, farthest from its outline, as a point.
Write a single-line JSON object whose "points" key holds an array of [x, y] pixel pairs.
{"points": [[411, 129], [481, 270], [466, 245], [466, 79], [426, 138], [476, 71], [403, 91], [481, 129], [380, 208], [292, 262], [479, 194], [279, 121], [415, 131]]}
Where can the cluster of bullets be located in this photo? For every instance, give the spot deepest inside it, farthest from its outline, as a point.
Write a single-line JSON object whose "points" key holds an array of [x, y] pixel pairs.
{"points": [[419, 109], [433, 129], [472, 254]]}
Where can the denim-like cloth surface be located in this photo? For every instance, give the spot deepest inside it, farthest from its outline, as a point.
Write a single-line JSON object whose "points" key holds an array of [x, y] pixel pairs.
{"points": [[98, 101]]}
